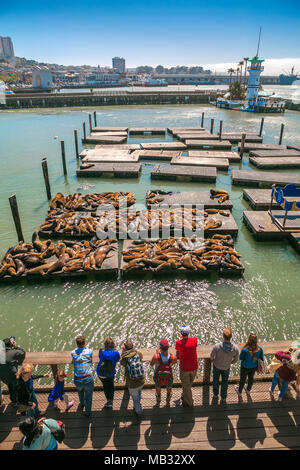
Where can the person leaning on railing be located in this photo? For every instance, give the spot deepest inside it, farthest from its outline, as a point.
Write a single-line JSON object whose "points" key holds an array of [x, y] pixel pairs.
{"points": [[250, 356], [82, 360], [186, 352]]}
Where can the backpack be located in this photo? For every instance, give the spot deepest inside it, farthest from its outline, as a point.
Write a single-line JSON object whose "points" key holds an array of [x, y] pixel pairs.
{"points": [[164, 372], [59, 434], [105, 368], [135, 367]]}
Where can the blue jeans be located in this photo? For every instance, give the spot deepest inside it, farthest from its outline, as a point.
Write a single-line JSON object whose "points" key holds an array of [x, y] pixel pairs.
{"points": [[224, 385], [284, 384], [85, 388], [136, 395], [34, 412]]}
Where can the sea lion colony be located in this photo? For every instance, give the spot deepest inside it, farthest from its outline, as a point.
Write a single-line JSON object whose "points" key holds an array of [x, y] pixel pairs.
{"points": [[45, 258], [195, 254], [156, 196], [77, 201]]}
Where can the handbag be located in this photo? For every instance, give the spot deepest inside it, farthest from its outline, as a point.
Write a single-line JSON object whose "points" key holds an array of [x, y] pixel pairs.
{"points": [[262, 366]]}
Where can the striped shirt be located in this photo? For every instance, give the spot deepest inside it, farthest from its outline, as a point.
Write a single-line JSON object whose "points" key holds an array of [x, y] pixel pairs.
{"points": [[82, 361]]}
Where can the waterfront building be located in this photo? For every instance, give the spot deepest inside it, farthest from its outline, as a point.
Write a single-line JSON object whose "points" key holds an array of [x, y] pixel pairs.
{"points": [[118, 63], [6, 48], [42, 78]]}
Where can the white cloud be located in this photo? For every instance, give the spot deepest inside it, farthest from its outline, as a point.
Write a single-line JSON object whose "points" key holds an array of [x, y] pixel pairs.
{"points": [[271, 66]]}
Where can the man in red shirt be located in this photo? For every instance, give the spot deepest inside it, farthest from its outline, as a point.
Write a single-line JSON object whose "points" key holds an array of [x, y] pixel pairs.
{"points": [[186, 352]]}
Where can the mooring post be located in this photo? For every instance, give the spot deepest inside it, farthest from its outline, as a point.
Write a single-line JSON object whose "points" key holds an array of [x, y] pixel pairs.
{"points": [[202, 120], [220, 130], [46, 177], [63, 156], [90, 120], [95, 118], [261, 126], [16, 216], [212, 126], [76, 143], [84, 131], [242, 144], [281, 134], [206, 370]]}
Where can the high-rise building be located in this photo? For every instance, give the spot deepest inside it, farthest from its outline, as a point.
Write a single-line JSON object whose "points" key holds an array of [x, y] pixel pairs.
{"points": [[118, 63], [6, 48]]}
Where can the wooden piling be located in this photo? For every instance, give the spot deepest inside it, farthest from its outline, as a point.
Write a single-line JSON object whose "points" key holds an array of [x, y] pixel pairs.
{"points": [[15, 213], [84, 131], [281, 134], [212, 126], [63, 156], [220, 130], [242, 144], [261, 126], [206, 371], [202, 120], [76, 143], [90, 121], [46, 177], [95, 118]]}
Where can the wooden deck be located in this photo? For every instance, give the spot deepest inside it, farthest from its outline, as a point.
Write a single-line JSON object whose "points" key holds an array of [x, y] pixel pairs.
{"points": [[295, 240], [202, 135], [274, 153], [118, 170], [96, 158], [231, 156], [259, 199], [255, 177], [236, 137], [194, 173], [147, 130], [212, 144], [100, 139], [163, 146], [294, 147], [219, 163], [275, 162], [253, 423], [263, 227], [175, 130], [194, 198], [118, 147], [166, 155], [254, 146]]}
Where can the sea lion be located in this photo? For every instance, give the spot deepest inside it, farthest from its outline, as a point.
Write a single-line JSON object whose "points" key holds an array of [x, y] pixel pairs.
{"points": [[20, 267]]}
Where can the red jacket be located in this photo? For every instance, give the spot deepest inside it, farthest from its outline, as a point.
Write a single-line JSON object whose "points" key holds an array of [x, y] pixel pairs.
{"points": [[284, 371]]}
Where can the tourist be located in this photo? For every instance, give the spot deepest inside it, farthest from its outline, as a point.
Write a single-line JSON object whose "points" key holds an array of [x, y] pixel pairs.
{"points": [[163, 375], [26, 398], [286, 372], [106, 369], [82, 360], [58, 391], [14, 357], [38, 434], [250, 356], [186, 352], [222, 356], [131, 359]]}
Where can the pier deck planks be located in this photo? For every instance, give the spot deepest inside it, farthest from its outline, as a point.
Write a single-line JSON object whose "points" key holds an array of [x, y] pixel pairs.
{"points": [[275, 162], [104, 152], [236, 137], [295, 240], [231, 156], [119, 147], [274, 153], [197, 136], [253, 146], [294, 147], [263, 228], [195, 173], [111, 158], [146, 130], [193, 198], [119, 170], [163, 146], [207, 143], [220, 163], [98, 139], [157, 154], [109, 129], [175, 130], [255, 177], [260, 199]]}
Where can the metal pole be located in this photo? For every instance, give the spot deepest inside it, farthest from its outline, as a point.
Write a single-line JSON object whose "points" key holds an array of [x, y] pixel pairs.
{"points": [[212, 126], [261, 126], [63, 156], [15, 213], [46, 177], [281, 134], [95, 118], [84, 131], [202, 120], [76, 143], [242, 144], [90, 120], [220, 130]]}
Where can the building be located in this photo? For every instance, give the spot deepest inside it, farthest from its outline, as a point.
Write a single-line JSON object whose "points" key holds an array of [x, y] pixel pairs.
{"points": [[6, 48], [118, 63], [42, 78]]}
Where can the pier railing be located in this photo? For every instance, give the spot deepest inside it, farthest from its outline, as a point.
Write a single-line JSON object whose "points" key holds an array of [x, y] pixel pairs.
{"points": [[51, 361]]}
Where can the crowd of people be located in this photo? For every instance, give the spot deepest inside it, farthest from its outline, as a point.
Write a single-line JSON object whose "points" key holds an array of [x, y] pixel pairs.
{"points": [[40, 433]]}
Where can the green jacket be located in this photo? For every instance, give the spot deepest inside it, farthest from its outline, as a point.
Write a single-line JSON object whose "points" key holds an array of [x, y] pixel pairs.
{"points": [[131, 383]]}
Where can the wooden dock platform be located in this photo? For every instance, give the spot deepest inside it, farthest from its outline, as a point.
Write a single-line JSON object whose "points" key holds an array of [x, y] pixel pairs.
{"points": [[119, 147], [194, 173], [294, 147], [203, 135], [246, 177], [147, 130], [263, 228], [166, 155], [163, 146], [295, 240], [235, 137], [118, 170], [193, 198], [175, 130], [94, 158], [100, 139], [109, 129], [274, 153], [233, 157], [104, 152], [207, 143], [254, 146], [259, 199], [275, 162], [219, 163]]}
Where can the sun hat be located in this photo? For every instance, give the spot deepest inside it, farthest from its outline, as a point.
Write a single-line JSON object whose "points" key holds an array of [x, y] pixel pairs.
{"points": [[164, 343], [184, 330], [295, 357]]}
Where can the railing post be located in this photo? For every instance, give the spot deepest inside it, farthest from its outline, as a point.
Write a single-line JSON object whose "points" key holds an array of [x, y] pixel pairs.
{"points": [[281, 134], [206, 371], [16, 216], [84, 131], [212, 126], [95, 118], [46, 177], [220, 130], [54, 370], [242, 144], [63, 156], [202, 120], [76, 143], [90, 121], [261, 126]]}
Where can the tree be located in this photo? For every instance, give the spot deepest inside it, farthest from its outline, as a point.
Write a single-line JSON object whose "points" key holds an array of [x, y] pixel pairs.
{"points": [[237, 91], [230, 71], [159, 69], [245, 77]]}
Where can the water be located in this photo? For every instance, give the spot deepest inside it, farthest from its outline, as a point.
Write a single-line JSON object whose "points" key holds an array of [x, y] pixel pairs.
{"points": [[48, 315]]}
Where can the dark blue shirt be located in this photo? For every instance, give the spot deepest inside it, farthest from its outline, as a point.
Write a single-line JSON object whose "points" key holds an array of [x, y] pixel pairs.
{"points": [[111, 355]]}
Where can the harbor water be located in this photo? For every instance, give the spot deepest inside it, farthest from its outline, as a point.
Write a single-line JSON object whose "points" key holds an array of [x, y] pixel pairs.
{"points": [[48, 315]]}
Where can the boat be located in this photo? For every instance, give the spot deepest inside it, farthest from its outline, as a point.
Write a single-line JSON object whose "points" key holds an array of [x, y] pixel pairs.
{"points": [[289, 79]]}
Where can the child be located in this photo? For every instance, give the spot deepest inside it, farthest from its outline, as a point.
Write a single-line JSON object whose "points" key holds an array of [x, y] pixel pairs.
{"points": [[163, 376], [58, 392], [26, 397], [286, 373]]}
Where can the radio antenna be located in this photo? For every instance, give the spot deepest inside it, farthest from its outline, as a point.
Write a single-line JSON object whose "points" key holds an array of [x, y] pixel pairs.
{"points": [[258, 42]]}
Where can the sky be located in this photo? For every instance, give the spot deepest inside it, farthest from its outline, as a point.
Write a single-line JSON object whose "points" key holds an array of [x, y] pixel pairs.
{"points": [[169, 33]]}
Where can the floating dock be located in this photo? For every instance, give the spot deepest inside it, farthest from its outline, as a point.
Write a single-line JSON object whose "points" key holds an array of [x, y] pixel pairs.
{"points": [[157, 154], [231, 156], [235, 137], [197, 136], [193, 198], [147, 130], [98, 139], [253, 146], [275, 162], [194, 173], [274, 153], [104, 152], [175, 130], [295, 240], [207, 143], [219, 163], [119, 147], [163, 146], [259, 199], [118, 170], [255, 177], [111, 158], [263, 228], [109, 129]]}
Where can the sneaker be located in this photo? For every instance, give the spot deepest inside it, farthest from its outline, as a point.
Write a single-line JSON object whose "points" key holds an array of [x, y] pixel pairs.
{"points": [[215, 397], [70, 404], [108, 404], [169, 396], [55, 406], [87, 415], [138, 415], [223, 401], [158, 397], [81, 406], [236, 388], [279, 397], [247, 391], [271, 392]]}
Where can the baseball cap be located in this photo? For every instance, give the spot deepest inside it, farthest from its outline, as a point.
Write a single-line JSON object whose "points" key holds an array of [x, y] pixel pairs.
{"points": [[184, 330], [164, 343]]}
